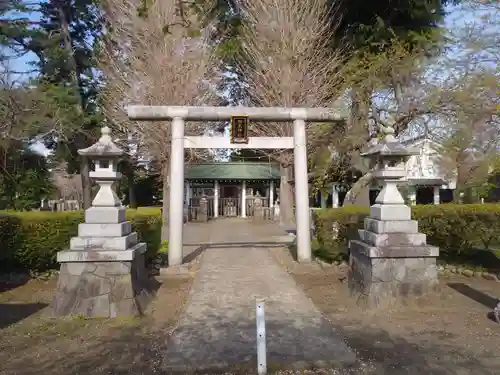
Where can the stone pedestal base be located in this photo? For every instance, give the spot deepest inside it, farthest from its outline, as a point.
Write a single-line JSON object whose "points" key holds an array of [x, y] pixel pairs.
{"points": [[381, 282], [103, 288]]}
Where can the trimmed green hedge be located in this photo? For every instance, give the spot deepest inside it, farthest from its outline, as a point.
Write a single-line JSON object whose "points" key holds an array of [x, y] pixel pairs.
{"points": [[31, 240], [459, 230]]}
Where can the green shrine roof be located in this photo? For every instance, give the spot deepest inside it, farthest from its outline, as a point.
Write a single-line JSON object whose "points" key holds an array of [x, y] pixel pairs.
{"points": [[233, 171]]}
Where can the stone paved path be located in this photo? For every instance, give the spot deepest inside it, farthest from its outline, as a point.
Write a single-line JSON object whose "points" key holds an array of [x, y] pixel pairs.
{"points": [[218, 328]]}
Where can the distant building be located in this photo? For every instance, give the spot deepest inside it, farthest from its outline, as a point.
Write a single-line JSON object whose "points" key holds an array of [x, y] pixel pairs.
{"points": [[427, 182]]}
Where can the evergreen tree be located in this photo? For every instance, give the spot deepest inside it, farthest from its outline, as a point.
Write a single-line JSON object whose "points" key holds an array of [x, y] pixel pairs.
{"points": [[68, 69], [25, 179], [365, 26], [63, 34]]}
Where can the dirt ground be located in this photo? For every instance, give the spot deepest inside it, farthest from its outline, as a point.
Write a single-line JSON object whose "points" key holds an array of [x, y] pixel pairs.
{"points": [[33, 343], [450, 333]]}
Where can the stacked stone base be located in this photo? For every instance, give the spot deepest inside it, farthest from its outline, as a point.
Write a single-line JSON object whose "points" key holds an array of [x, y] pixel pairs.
{"points": [[387, 282], [391, 264], [103, 288]]}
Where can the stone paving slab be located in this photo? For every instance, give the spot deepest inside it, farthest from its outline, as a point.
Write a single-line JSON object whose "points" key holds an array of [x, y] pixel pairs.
{"points": [[218, 328]]}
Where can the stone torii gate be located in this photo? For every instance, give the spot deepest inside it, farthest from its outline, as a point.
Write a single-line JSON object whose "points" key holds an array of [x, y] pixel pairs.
{"points": [[179, 114]]}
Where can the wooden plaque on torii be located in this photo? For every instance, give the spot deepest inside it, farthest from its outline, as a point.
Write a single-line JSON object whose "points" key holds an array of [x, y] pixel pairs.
{"points": [[239, 129]]}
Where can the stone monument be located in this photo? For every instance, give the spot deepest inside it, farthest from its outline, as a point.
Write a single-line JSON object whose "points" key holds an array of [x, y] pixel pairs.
{"points": [[391, 261], [104, 272]]}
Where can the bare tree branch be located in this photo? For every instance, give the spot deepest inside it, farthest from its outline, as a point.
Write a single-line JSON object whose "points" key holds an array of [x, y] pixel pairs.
{"points": [[287, 61], [155, 56]]}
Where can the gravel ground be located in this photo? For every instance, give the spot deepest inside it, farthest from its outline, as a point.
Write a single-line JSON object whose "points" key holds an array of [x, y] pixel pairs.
{"points": [[451, 335]]}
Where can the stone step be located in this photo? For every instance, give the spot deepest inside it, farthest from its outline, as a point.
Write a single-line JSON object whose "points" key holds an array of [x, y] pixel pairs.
{"points": [[407, 251], [391, 226], [104, 230], [105, 215], [392, 239], [104, 243], [390, 212]]}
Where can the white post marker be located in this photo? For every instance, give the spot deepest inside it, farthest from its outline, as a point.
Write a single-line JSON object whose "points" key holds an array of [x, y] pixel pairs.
{"points": [[261, 338]]}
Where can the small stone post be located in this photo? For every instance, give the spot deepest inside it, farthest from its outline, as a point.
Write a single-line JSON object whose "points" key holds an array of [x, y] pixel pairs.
{"points": [[243, 199], [103, 273], [276, 210], [216, 198], [258, 209], [391, 262], [271, 194], [203, 211]]}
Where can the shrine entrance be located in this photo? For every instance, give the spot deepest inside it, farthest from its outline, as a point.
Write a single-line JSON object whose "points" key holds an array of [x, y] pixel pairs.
{"points": [[230, 199], [239, 139]]}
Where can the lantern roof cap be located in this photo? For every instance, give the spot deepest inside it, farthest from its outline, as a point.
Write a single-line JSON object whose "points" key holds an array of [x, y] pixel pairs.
{"points": [[103, 147], [388, 146]]}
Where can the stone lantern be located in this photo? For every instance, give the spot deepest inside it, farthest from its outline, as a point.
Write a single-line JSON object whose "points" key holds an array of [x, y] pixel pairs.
{"points": [[391, 260], [105, 155], [103, 273], [388, 163]]}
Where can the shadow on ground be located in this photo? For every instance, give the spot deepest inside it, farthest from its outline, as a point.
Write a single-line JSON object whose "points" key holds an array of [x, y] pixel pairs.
{"points": [[389, 355], [139, 346], [6, 286], [215, 343], [474, 294], [11, 313], [480, 297], [136, 350], [200, 248]]}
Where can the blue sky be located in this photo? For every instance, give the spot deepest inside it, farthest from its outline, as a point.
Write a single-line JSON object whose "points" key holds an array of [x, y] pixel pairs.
{"points": [[22, 64], [457, 18]]}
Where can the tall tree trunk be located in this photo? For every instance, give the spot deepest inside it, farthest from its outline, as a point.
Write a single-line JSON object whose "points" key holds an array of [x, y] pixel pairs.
{"points": [[461, 178], [80, 107], [86, 183], [129, 174], [131, 194], [359, 194], [166, 201], [286, 198]]}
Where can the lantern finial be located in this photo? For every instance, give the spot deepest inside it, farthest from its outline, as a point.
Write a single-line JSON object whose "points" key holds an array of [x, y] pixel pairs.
{"points": [[105, 133]]}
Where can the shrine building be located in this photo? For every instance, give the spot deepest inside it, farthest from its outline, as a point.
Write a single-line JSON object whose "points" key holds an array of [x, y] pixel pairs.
{"points": [[231, 188]]}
